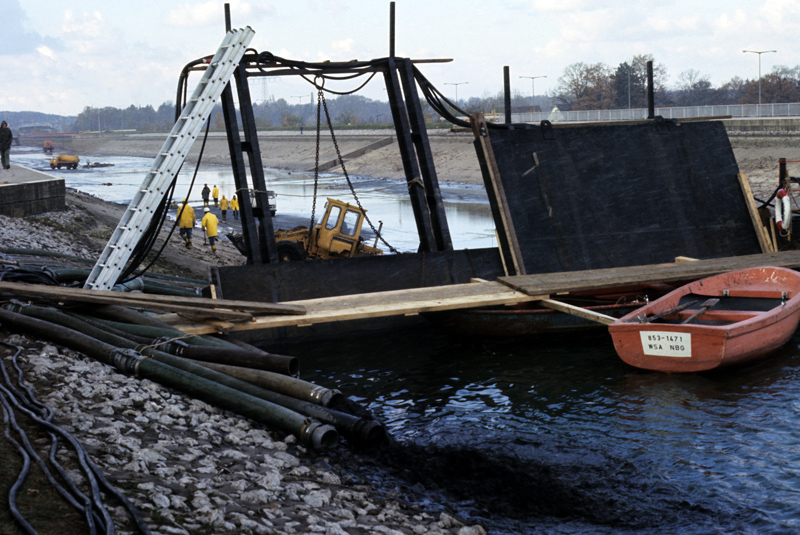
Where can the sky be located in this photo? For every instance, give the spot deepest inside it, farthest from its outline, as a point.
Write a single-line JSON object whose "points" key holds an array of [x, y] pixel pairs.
{"points": [[60, 56]]}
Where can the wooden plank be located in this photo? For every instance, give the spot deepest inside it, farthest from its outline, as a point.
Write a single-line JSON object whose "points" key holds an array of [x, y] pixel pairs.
{"points": [[552, 283], [379, 304], [497, 192], [505, 291], [763, 238], [141, 300], [577, 311]]}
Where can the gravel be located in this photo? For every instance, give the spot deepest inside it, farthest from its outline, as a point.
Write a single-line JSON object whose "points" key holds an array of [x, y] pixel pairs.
{"points": [[189, 467]]}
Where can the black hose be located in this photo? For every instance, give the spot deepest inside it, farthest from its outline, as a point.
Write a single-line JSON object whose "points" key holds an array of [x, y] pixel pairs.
{"points": [[360, 430], [93, 508], [279, 364], [152, 332], [174, 372]]}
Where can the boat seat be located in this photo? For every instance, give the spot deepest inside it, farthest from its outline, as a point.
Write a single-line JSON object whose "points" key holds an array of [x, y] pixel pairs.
{"points": [[735, 302]]}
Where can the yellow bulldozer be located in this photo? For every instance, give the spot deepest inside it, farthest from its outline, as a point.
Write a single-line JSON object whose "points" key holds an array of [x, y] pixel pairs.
{"points": [[338, 235]]}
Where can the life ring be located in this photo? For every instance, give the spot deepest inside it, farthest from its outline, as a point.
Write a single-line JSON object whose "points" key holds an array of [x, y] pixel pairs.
{"points": [[783, 211]]}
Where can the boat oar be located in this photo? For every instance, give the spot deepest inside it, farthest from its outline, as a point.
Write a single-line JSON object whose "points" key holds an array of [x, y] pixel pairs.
{"points": [[703, 308], [668, 312]]}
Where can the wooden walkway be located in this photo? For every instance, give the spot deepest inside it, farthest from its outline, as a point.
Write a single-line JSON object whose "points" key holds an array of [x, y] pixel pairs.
{"points": [[197, 315], [504, 291]]}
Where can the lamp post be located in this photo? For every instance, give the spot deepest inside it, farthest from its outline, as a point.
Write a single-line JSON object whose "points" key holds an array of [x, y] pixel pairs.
{"points": [[456, 84], [759, 52], [532, 92]]}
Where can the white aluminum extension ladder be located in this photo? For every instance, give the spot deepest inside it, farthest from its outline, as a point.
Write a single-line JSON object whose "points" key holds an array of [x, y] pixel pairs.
{"points": [[139, 214]]}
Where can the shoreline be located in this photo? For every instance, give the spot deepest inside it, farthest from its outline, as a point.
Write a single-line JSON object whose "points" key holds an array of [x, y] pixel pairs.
{"points": [[189, 467]]}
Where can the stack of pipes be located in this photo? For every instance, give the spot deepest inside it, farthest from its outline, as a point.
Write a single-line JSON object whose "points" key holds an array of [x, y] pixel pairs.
{"points": [[231, 375]]}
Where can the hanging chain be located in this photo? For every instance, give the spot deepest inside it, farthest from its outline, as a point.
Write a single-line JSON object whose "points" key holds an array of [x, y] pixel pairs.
{"points": [[320, 98], [341, 161]]}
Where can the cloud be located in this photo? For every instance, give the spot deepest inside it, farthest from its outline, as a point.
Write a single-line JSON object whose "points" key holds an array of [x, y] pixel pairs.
{"points": [[210, 13], [46, 52], [15, 38], [344, 45]]}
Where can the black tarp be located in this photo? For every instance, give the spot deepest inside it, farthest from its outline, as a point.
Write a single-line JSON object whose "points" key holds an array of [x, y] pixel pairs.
{"points": [[602, 196]]}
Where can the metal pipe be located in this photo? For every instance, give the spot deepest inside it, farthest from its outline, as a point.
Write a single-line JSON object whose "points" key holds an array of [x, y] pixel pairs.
{"points": [[391, 29], [651, 92], [507, 93]]}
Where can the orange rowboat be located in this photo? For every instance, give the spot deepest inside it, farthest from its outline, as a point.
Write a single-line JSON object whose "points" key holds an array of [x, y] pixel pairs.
{"points": [[711, 323]]}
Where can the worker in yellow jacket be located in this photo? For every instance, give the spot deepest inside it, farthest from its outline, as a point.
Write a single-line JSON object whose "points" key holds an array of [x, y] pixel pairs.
{"points": [[209, 224], [223, 207], [186, 222], [215, 195], [235, 207]]}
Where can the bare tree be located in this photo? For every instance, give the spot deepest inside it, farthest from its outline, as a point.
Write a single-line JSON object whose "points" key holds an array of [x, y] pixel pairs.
{"points": [[584, 86]]}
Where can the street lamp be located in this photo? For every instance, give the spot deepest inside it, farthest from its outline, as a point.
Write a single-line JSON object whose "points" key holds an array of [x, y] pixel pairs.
{"points": [[759, 52], [532, 93], [456, 84]]}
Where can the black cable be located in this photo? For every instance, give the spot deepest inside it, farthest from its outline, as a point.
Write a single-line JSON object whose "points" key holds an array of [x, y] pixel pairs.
{"points": [[160, 216], [26, 467], [94, 508], [170, 195], [73, 496]]}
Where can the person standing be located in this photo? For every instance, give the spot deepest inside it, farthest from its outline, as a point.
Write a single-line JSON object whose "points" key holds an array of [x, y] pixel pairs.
{"points": [[205, 193], [215, 194], [223, 207], [186, 222], [209, 224], [5, 144], [235, 207]]}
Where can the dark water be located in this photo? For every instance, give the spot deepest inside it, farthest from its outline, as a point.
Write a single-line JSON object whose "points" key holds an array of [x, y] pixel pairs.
{"points": [[560, 436]]}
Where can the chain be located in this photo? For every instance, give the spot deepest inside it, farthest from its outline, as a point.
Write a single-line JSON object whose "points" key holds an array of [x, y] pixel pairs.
{"points": [[341, 161], [320, 98]]}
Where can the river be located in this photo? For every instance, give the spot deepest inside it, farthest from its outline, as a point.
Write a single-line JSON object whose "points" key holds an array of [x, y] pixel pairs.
{"points": [[543, 435]]}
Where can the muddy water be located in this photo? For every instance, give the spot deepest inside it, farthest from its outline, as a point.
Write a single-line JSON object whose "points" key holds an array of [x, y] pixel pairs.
{"points": [[386, 201], [544, 435]]}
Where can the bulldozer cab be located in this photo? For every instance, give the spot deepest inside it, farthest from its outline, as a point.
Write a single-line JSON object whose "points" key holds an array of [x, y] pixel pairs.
{"points": [[340, 228]]}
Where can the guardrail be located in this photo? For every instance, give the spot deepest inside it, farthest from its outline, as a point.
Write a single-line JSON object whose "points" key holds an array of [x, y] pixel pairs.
{"points": [[744, 111]]}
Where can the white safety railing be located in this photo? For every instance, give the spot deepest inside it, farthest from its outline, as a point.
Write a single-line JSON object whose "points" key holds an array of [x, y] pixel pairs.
{"points": [[744, 111]]}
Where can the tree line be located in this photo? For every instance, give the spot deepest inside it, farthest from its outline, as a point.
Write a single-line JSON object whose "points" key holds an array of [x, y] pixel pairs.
{"points": [[597, 86], [582, 86]]}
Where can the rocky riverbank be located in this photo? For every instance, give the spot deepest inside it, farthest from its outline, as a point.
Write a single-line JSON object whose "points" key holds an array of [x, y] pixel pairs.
{"points": [[186, 466]]}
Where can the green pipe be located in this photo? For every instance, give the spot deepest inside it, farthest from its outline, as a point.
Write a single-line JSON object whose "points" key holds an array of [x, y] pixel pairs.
{"points": [[70, 274], [275, 382], [365, 431], [151, 332], [41, 252], [125, 315], [84, 272], [280, 364], [318, 435], [233, 355]]}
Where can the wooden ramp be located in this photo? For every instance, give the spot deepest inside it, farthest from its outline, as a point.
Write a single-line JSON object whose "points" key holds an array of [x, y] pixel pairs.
{"points": [[372, 305], [504, 291]]}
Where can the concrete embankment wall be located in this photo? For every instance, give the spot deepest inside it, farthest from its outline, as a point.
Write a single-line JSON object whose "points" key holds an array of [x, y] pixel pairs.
{"points": [[763, 125]]}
